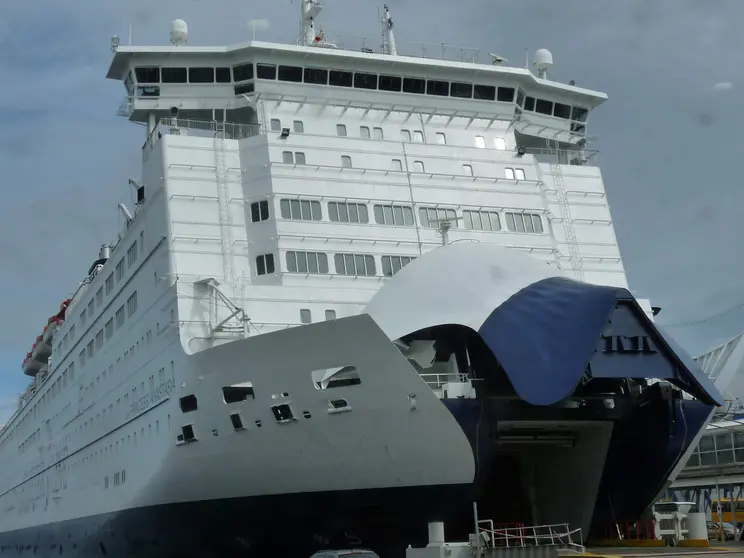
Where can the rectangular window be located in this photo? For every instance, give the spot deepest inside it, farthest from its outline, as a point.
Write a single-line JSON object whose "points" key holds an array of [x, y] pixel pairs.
{"points": [[436, 87], [505, 94], [147, 75], [242, 72], [299, 158], [99, 339], [306, 317], [394, 214], [316, 75], [92, 309], [99, 297], [132, 304], [341, 130], [201, 75], [244, 89], [120, 316], [298, 126], [265, 264], [287, 157], [467, 170], [307, 262], [259, 211], [414, 85], [397, 165], [340, 78], [120, 270], [441, 138], [499, 143], [484, 92], [377, 133], [461, 90], [109, 329], [83, 317], [480, 142], [275, 125], [481, 220], [579, 114], [91, 349], [562, 111], [301, 210], [344, 212], [364, 132], [132, 254], [529, 103], [365, 81], [405, 135], [509, 173], [81, 357], [524, 222], [355, 264], [330, 315], [519, 174], [345, 161], [109, 283], [265, 71], [393, 264], [544, 107], [222, 75], [390, 83], [434, 216], [418, 166], [418, 136], [173, 75], [290, 73]]}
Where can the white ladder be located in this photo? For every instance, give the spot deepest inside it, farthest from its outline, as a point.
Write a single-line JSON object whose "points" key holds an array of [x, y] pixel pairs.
{"points": [[223, 200], [573, 243]]}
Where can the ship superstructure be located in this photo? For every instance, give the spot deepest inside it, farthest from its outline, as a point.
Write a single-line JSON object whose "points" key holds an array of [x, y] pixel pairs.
{"points": [[300, 315]]}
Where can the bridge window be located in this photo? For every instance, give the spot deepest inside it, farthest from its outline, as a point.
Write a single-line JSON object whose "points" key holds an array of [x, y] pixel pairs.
{"points": [[173, 75], [390, 83], [244, 88], [242, 72], [223, 75], [520, 97], [265, 264], [414, 85], [314, 263], [290, 73], [340, 78], [462, 90], [265, 71], [342, 212], [562, 111], [393, 264], [506, 94], [147, 74], [301, 210], [153, 91], [396, 215], [316, 75], [484, 92], [365, 81], [579, 114], [544, 107], [523, 222], [436, 87], [355, 264], [529, 103], [201, 75]]}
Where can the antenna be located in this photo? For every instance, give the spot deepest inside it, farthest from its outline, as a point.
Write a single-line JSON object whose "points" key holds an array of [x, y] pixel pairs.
{"points": [[115, 42], [445, 224], [387, 33], [496, 59], [309, 10], [543, 61], [179, 32]]}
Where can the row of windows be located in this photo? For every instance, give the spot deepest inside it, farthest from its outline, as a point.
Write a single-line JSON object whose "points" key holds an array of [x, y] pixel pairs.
{"points": [[400, 215], [725, 448], [359, 80], [298, 158], [316, 263], [377, 133], [107, 332]]}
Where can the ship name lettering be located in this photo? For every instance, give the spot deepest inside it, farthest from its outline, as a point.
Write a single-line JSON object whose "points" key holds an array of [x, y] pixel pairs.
{"points": [[161, 392]]}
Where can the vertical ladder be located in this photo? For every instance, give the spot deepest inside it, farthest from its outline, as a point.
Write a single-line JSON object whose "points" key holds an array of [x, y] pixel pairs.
{"points": [[223, 201], [571, 240], [548, 214]]}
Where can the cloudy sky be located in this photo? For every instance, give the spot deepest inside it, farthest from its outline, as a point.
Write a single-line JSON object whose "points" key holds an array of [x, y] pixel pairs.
{"points": [[672, 69]]}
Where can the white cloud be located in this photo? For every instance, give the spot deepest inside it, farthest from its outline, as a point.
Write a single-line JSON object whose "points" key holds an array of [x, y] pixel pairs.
{"points": [[723, 86]]}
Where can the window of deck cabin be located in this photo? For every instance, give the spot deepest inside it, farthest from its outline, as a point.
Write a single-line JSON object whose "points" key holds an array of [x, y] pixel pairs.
{"points": [[414, 85], [201, 75], [147, 74], [265, 71], [365, 81], [505, 94], [484, 92], [544, 107], [242, 72], [290, 73], [562, 111], [461, 90], [316, 76], [390, 83], [244, 88], [173, 75], [438, 88], [222, 75], [340, 78]]}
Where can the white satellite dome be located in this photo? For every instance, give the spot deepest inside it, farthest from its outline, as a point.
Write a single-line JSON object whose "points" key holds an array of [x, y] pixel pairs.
{"points": [[543, 59], [179, 32]]}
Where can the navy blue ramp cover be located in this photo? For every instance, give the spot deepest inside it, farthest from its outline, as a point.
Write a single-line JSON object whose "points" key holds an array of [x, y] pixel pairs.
{"points": [[546, 335]]}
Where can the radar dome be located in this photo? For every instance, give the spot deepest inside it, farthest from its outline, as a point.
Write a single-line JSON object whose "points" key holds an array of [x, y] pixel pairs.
{"points": [[179, 32], [543, 59]]}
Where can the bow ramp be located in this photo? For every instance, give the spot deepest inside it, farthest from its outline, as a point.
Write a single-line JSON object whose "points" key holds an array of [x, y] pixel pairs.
{"points": [[560, 378]]}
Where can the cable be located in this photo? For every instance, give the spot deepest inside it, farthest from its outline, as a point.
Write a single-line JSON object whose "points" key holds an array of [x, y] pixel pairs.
{"points": [[707, 318]]}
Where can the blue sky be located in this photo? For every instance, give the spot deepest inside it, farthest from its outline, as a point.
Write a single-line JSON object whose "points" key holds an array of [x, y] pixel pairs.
{"points": [[669, 152]]}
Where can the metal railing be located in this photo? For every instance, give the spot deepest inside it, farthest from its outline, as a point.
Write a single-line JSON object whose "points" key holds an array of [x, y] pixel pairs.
{"points": [[574, 157], [518, 535], [207, 129], [436, 381]]}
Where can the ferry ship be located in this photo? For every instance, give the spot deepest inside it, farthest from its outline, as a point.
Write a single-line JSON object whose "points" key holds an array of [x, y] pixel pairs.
{"points": [[359, 290]]}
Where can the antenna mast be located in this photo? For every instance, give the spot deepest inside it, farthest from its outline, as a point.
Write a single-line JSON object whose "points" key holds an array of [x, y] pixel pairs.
{"points": [[309, 10], [388, 38]]}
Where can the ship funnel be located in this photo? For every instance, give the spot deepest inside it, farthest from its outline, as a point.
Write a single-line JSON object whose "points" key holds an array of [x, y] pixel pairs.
{"points": [[105, 252]]}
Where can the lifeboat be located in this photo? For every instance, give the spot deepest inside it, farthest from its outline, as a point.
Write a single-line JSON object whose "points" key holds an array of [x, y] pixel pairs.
{"points": [[30, 366], [41, 351], [51, 328]]}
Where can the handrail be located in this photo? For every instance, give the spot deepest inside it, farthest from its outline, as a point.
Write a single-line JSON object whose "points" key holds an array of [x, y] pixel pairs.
{"points": [[519, 535]]}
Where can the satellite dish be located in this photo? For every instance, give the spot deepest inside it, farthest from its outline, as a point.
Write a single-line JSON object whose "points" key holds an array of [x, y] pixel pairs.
{"points": [[179, 32], [496, 59], [543, 61]]}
